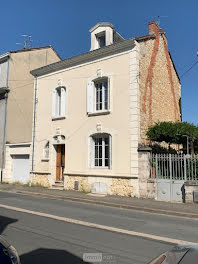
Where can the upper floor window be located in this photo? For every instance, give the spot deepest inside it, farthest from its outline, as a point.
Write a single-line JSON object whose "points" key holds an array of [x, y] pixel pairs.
{"points": [[98, 96], [101, 95], [58, 102]]}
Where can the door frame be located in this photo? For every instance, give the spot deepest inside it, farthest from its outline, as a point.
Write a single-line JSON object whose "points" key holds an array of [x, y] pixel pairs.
{"points": [[60, 161]]}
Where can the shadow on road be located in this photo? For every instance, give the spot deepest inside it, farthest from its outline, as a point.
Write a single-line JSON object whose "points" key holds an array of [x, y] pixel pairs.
{"points": [[50, 256], [42, 255], [5, 221]]}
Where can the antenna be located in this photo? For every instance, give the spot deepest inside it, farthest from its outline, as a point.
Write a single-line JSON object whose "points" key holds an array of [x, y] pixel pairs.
{"points": [[27, 44], [158, 19]]}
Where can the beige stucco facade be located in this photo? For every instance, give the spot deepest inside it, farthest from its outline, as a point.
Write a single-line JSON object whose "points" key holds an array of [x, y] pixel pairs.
{"points": [[77, 127], [143, 88], [19, 111], [21, 86]]}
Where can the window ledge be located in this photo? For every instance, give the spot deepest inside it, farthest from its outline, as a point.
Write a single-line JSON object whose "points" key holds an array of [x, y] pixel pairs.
{"points": [[105, 112], [100, 168], [45, 159], [58, 118]]}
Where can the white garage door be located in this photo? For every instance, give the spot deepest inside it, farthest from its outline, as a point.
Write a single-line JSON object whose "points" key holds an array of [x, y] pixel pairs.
{"points": [[21, 168]]}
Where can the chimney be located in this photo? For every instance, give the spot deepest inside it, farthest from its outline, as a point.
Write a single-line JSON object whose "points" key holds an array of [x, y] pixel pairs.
{"points": [[153, 27]]}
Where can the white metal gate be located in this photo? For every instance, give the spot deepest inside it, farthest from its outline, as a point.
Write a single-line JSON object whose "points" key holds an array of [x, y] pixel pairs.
{"points": [[21, 168], [171, 171]]}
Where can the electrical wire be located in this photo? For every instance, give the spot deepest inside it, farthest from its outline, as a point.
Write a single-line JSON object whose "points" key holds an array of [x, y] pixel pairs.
{"points": [[189, 69]]}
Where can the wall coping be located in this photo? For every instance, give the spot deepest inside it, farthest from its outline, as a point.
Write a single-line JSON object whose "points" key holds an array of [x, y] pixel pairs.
{"points": [[144, 149], [191, 183], [99, 175]]}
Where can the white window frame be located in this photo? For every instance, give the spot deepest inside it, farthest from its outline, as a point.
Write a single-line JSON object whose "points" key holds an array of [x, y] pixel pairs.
{"points": [[93, 154], [103, 88], [92, 96], [59, 102]]}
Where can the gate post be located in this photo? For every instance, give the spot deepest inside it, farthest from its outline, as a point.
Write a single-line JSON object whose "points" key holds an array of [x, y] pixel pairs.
{"points": [[147, 184]]}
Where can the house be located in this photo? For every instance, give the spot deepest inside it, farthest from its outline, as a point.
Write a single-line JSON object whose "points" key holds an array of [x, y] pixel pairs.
{"points": [[92, 111], [16, 108]]}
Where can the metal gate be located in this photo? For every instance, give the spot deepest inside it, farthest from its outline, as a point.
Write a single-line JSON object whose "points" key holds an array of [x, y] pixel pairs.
{"points": [[171, 171]]}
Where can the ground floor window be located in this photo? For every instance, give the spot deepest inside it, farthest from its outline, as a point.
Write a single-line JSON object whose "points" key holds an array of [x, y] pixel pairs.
{"points": [[101, 150]]}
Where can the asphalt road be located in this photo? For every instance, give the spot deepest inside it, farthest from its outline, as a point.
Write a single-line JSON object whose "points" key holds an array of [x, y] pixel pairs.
{"points": [[44, 240]]}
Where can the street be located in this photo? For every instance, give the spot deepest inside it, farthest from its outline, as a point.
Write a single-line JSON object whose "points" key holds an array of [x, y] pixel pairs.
{"points": [[41, 239]]}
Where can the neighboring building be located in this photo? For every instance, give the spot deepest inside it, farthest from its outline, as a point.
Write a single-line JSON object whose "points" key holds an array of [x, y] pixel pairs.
{"points": [[93, 110], [16, 108]]}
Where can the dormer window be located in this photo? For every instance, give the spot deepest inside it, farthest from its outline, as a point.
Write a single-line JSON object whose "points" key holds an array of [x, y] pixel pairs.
{"points": [[103, 34], [101, 40]]}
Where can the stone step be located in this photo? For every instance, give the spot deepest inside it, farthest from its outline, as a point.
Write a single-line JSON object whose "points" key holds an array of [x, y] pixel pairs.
{"points": [[57, 187], [58, 182]]}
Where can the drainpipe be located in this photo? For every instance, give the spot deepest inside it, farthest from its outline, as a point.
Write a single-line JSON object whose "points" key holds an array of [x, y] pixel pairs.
{"points": [[34, 121], [4, 126]]}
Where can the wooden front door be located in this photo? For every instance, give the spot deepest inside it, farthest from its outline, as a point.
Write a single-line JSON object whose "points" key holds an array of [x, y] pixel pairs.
{"points": [[60, 162]]}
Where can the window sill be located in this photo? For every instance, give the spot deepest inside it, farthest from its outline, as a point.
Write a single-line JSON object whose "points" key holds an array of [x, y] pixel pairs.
{"points": [[58, 118], [105, 112], [100, 168], [44, 159]]}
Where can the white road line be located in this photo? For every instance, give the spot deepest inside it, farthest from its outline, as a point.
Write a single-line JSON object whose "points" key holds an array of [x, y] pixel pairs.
{"points": [[103, 227]]}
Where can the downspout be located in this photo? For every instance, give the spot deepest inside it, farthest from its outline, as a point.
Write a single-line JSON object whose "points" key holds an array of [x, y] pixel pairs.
{"points": [[34, 121], [5, 119]]}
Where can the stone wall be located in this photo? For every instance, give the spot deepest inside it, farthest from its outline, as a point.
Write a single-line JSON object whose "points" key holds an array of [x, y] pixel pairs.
{"points": [[160, 90], [121, 187], [190, 187], [83, 186], [40, 180], [115, 186]]}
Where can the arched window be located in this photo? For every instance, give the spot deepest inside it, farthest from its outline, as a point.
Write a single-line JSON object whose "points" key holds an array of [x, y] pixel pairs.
{"points": [[59, 102], [101, 150]]}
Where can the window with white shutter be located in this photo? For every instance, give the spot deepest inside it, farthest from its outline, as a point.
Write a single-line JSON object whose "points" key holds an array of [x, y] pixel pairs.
{"points": [[98, 96], [58, 102], [90, 97]]}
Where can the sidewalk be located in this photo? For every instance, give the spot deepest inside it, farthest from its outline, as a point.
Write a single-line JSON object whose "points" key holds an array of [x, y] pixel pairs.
{"points": [[146, 205]]}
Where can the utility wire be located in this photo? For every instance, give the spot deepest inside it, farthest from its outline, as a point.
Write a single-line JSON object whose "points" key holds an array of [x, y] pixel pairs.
{"points": [[189, 68]]}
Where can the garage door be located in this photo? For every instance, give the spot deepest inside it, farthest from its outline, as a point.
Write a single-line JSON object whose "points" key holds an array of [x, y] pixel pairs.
{"points": [[21, 168]]}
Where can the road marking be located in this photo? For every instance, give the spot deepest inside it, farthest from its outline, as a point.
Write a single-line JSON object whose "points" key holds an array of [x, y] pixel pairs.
{"points": [[103, 227]]}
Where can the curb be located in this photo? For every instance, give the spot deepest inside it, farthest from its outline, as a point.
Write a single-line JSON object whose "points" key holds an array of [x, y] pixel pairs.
{"points": [[108, 204]]}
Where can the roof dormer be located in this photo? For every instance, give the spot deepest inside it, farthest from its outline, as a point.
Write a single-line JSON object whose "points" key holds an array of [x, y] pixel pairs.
{"points": [[103, 34]]}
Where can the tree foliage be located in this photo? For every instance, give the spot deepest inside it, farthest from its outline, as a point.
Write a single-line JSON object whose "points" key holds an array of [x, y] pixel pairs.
{"points": [[174, 133]]}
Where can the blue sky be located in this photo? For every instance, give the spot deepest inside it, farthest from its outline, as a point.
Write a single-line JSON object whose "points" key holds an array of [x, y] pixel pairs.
{"points": [[65, 25]]}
